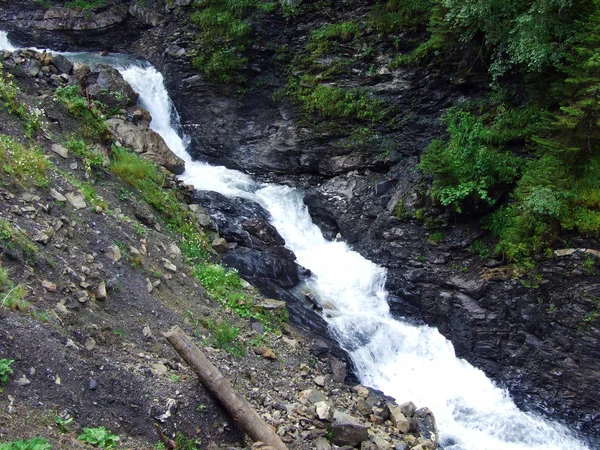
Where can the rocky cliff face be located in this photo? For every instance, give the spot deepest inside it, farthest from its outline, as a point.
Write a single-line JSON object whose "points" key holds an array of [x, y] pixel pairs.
{"points": [[537, 334]]}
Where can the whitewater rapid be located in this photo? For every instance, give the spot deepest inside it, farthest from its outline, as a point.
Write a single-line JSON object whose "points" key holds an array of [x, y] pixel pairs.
{"points": [[409, 363]]}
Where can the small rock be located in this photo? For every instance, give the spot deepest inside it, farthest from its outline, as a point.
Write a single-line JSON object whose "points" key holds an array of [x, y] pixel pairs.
{"points": [[265, 352], [60, 150], [61, 308], [23, 381], [324, 411], [147, 332], [320, 380], [220, 245], [113, 253], [71, 344], [360, 390], [311, 396], [348, 430], [57, 195], [174, 251], [100, 291], [76, 200], [159, 369], [398, 419], [169, 265], [49, 286], [408, 409], [270, 303], [149, 286], [321, 444], [42, 238], [90, 344], [93, 385]]}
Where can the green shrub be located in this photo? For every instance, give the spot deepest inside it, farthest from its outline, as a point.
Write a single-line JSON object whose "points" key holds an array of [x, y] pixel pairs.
{"points": [[99, 437], [92, 121], [35, 443], [224, 336], [5, 371]]}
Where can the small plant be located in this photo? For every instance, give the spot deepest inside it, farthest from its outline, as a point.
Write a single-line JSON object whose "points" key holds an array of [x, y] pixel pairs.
{"points": [[89, 157], [63, 424], [478, 248], [224, 336], [35, 443], [175, 378], [5, 370], [86, 4], [436, 237], [24, 165], [98, 437]]}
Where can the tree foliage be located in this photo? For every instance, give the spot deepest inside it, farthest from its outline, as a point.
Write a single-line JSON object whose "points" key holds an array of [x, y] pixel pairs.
{"points": [[547, 154]]}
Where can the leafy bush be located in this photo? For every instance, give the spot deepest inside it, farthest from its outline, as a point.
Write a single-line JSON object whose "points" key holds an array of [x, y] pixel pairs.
{"points": [[472, 165], [99, 437], [92, 120], [35, 443], [5, 371]]}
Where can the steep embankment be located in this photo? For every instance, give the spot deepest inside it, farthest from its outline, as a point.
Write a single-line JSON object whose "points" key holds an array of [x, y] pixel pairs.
{"points": [[101, 251]]}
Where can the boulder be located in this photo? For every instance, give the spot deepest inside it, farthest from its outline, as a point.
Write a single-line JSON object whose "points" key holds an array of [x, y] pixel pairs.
{"points": [[147, 143], [62, 63], [426, 425], [108, 86], [348, 430]]}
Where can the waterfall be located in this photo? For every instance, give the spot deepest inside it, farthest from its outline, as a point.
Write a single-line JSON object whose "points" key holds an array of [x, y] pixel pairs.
{"points": [[407, 362]]}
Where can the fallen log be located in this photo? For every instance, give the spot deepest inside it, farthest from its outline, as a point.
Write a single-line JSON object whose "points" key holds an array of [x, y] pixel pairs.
{"points": [[217, 384]]}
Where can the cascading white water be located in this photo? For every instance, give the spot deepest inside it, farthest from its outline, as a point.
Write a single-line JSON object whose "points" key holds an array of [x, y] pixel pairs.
{"points": [[4, 42], [405, 361]]}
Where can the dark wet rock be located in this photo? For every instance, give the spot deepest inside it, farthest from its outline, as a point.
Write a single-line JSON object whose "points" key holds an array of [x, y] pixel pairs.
{"points": [[253, 265], [348, 430]]}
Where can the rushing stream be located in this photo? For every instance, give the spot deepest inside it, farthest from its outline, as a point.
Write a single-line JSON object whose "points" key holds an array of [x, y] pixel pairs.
{"points": [[409, 363]]}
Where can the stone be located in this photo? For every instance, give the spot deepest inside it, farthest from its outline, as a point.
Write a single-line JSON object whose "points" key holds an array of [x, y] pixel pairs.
{"points": [[76, 200], [60, 150], [348, 430], [270, 303], [113, 253], [174, 251], [90, 344], [42, 238], [321, 444], [383, 187], [23, 381], [338, 369], [106, 84], [159, 369], [100, 291], [149, 144], [62, 63], [49, 286], [319, 380], [147, 332], [34, 67], [360, 390], [265, 352], [426, 424], [324, 411], [220, 245], [408, 409], [311, 396], [57, 195], [169, 265], [398, 419]]}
